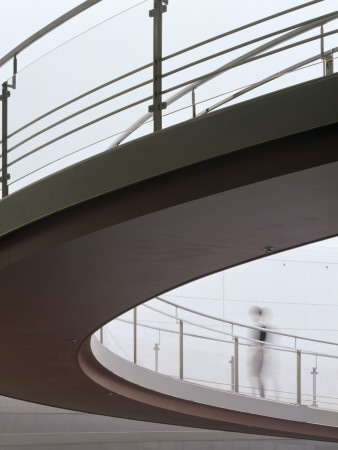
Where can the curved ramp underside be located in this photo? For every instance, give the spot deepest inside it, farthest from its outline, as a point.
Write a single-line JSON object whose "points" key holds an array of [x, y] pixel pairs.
{"points": [[88, 243]]}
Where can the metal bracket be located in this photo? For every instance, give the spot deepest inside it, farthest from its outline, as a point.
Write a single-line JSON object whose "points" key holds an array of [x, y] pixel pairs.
{"points": [[15, 71], [328, 63], [8, 95], [8, 177], [163, 8], [151, 107]]}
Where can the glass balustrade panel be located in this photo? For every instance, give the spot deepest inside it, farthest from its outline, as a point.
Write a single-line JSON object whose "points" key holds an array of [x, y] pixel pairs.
{"points": [[83, 64]]}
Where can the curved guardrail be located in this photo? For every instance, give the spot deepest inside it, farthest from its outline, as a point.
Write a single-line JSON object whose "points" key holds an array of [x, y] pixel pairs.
{"points": [[235, 350], [45, 142]]}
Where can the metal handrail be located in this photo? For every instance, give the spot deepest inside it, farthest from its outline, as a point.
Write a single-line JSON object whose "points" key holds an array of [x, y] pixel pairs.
{"points": [[309, 23], [188, 86], [71, 116], [47, 29], [237, 324], [243, 27], [245, 44], [255, 341], [81, 127], [199, 81], [235, 386], [248, 57], [242, 61], [267, 80], [139, 69]]}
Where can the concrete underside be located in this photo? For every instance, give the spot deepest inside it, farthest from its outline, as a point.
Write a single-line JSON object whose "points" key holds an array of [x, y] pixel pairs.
{"points": [[230, 195]]}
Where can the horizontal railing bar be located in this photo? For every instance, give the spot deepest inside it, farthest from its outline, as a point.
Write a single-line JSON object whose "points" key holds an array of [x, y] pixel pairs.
{"points": [[47, 29], [267, 344], [123, 131], [246, 61], [244, 27], [239, 46], [224, 333], [126, 75], [165, 330], [236, 62], [242, 344], [198, 336], [79, 97], [265, 80], [67, 156], [71, 116], [237, 324], [80, 128]]}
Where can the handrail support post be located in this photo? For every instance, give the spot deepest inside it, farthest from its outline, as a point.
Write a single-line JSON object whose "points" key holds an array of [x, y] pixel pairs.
{"points": [[181, 348], [232, 373], [160, 6], [156, 349], [193, 101], [135, 335], [299, 377], [314, 373], [236, 386], [4, 175]]}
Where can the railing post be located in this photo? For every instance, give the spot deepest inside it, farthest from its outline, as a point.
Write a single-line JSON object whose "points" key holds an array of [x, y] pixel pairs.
{"points": [[4, 174], [160, 6], [156, 348], [322, 48], [101, 335], [299, 377], [314, 373], [193, 102], [236, 364], [135, 335], [231, 362], [328, 60], [181, 348]]}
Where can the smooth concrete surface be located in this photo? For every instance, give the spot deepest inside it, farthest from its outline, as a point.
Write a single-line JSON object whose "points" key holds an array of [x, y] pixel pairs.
{"points": [[213, 397], [65, 275], [279, 114]]}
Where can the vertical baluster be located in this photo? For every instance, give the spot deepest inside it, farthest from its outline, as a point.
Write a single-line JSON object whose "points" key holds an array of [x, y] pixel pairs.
{"points": [[158, 105], [231, 362], [181, 348], [156, 349], [236, 364], [314, 374], [322, 48], [4, 174], [193, 102], [135, 335], [299, 377]]}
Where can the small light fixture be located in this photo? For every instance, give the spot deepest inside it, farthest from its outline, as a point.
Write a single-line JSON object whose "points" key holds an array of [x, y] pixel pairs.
{"points": [[268, 250], [73, 341]]}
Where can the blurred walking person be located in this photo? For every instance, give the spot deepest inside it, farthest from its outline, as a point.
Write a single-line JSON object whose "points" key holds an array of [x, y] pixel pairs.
{"points": [[258, 353]]}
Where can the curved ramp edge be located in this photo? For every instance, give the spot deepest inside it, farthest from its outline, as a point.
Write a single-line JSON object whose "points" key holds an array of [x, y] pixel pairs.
{"points": [[64, 274]]}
